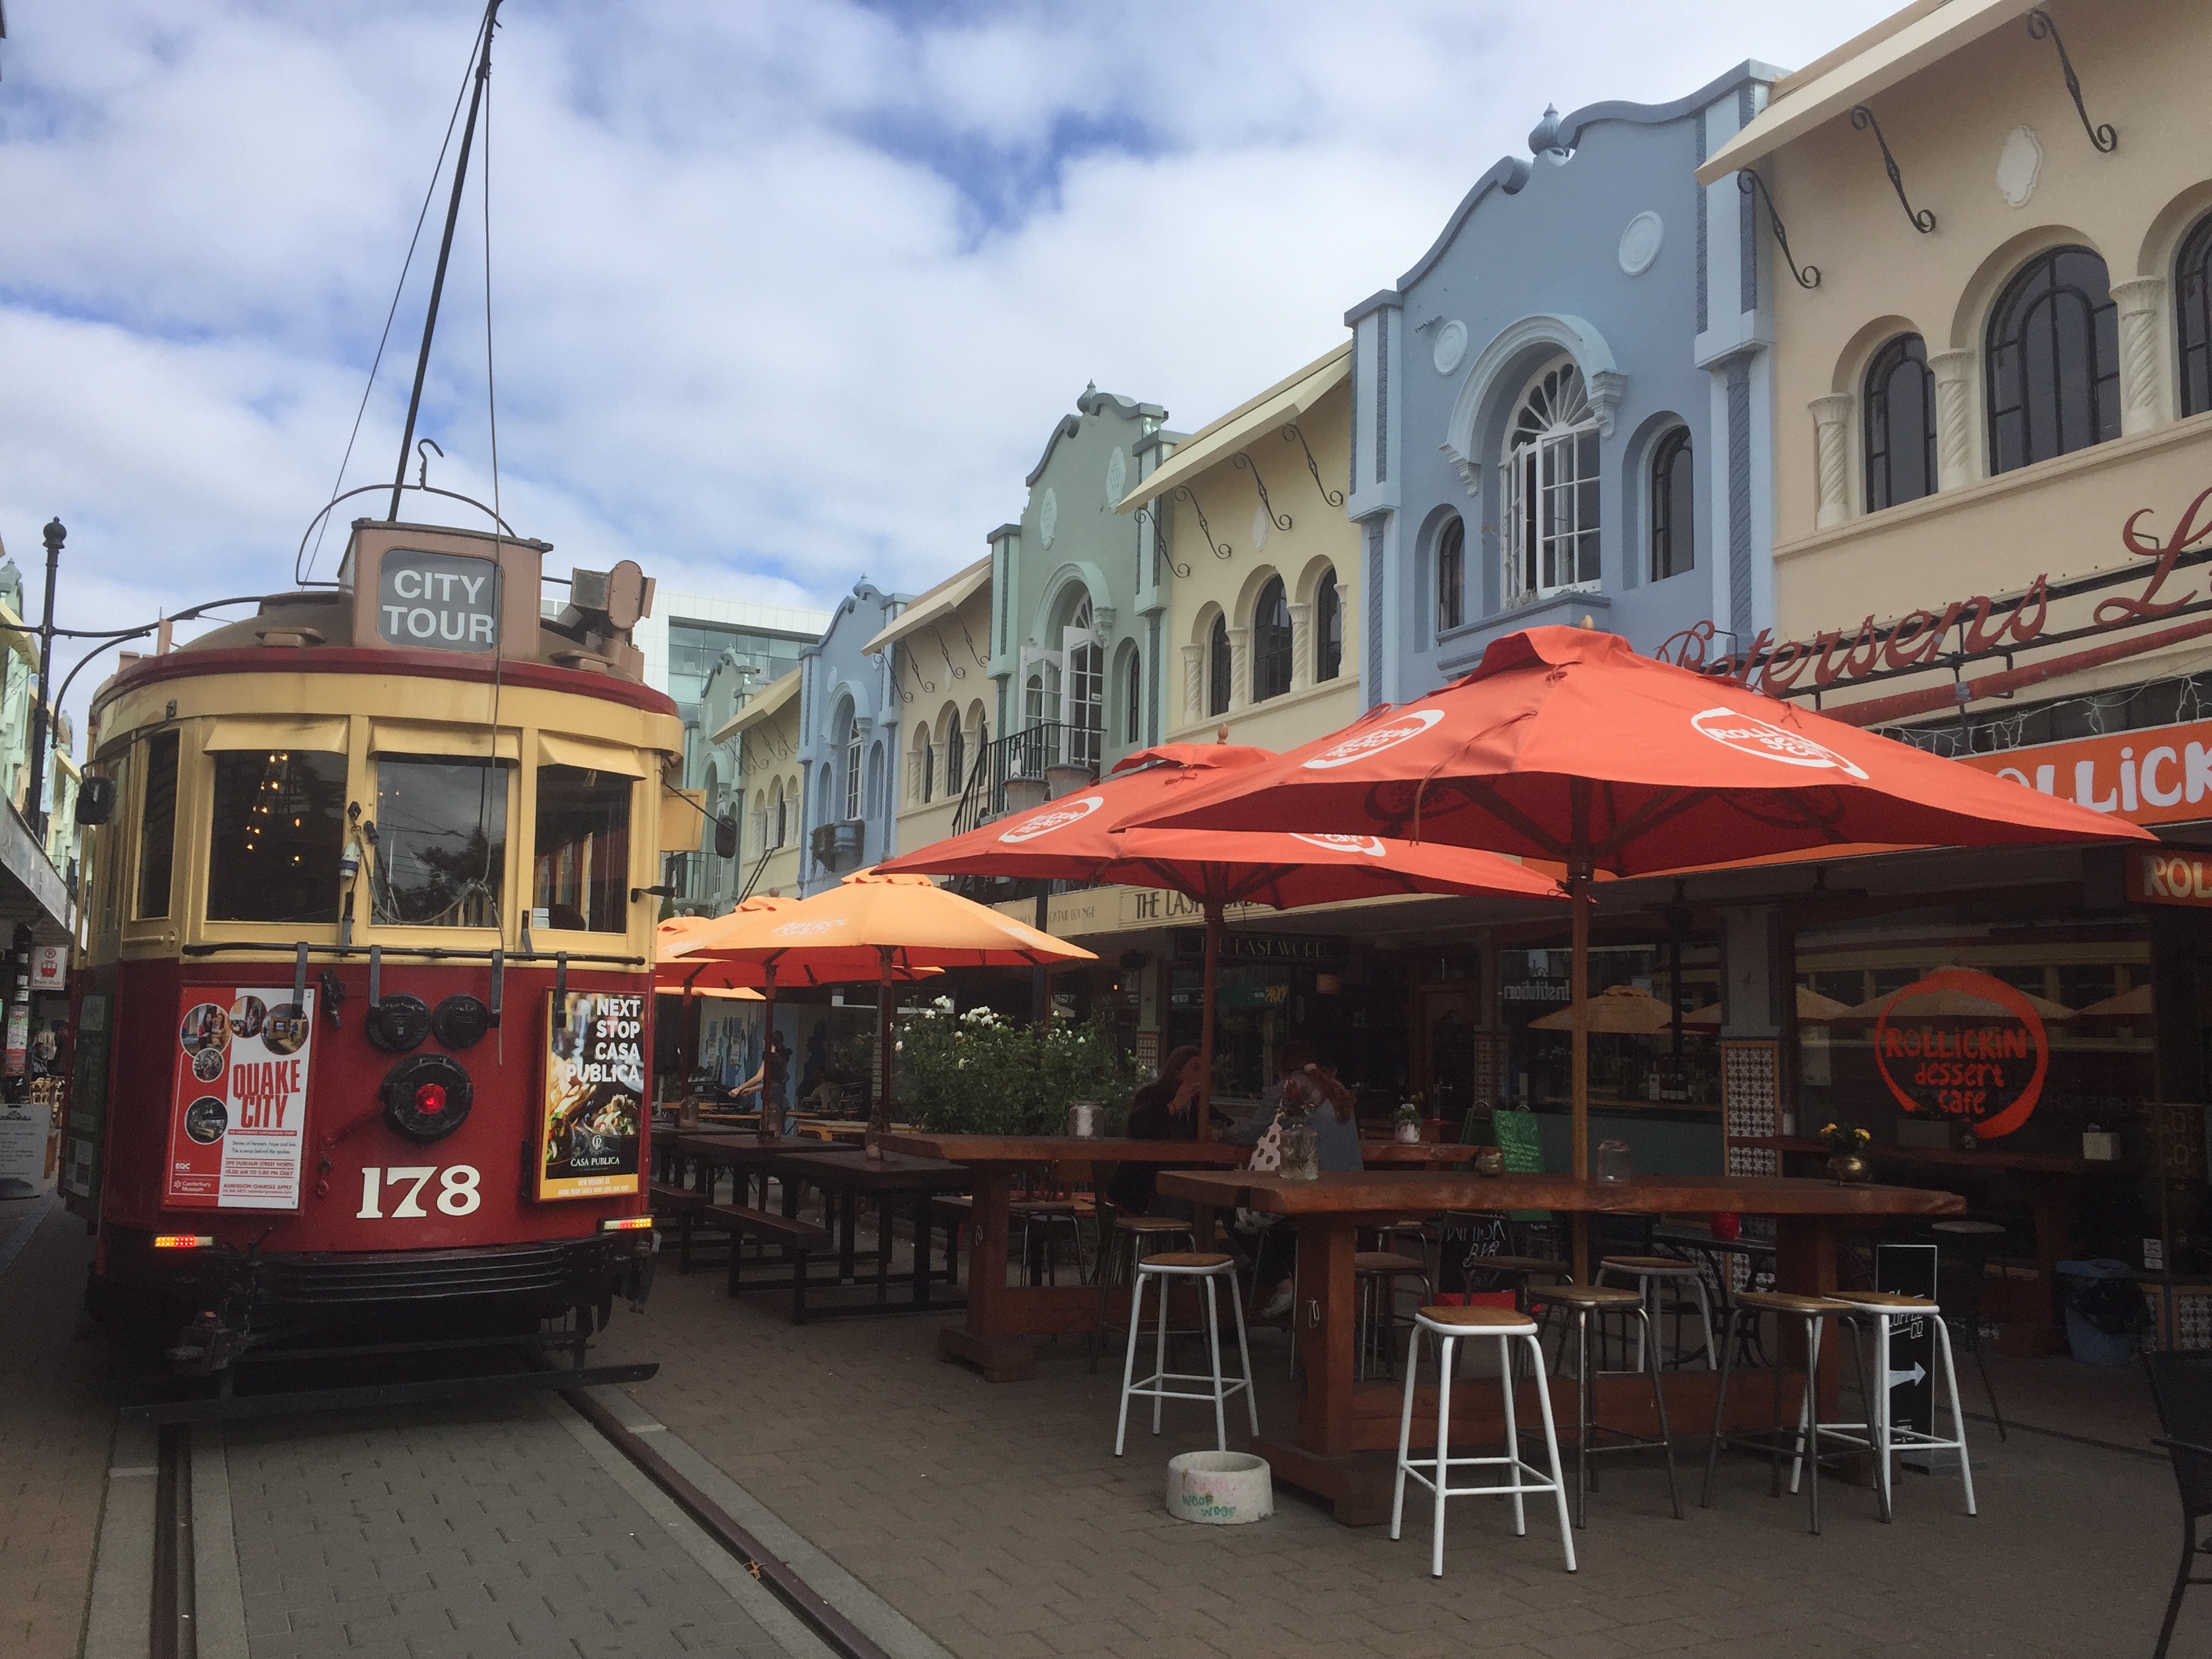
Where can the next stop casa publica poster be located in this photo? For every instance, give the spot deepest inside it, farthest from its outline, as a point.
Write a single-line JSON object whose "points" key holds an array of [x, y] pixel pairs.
{"points": [[238, 1115], [595, 1095]]}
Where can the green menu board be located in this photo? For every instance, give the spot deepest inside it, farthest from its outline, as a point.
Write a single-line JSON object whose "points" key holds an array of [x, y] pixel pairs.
{"points": [[1518, 1138]]}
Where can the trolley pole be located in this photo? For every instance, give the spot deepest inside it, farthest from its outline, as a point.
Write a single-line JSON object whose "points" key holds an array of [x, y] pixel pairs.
{"points": [[35, 806]]}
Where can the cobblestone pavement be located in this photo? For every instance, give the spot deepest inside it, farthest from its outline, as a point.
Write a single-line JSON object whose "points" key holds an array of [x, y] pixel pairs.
{"points": [[997, 1519], [57, 1420]]}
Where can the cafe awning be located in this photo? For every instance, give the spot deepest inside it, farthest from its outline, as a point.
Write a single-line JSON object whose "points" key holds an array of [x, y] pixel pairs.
{"points": [[1280, 404], [1894, 49], [933, 606]]}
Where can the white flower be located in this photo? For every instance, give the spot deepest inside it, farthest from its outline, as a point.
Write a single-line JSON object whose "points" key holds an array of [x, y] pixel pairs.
{"points": [[945, 1003]]}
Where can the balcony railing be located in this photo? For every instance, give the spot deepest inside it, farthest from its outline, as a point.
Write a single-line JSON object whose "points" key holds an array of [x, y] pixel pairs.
{"points": [[1024, 754]]}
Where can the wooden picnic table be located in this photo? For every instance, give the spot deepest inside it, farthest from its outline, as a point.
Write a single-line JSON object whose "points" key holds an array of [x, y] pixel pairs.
{"points": [[1345, 1445], [744, 1153], [848, 1175], [1004, 1320]]}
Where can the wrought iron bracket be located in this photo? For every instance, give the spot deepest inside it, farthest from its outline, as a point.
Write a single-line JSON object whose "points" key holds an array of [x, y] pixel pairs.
{"points": [[951, 667], [1753, 185], [1160, 542], [1280, 520], [1221, 549], [1334, 497], [2040, 28], [1863, 118]]}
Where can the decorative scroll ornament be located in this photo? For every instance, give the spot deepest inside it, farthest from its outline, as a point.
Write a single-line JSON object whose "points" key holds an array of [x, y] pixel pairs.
{"points": [[1334, 497], [1160, 542], [1862, 119], [1280, 520], [2040, 28], [1221, 549], [1753, 185]]}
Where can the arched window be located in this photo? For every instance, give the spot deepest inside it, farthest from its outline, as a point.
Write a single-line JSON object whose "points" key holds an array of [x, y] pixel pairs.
{"points": [[779, 815], [956, 757], [924, 767], [875, 779], [1086, 701], [1217, 668], [1271, 642], [1550, 487], [852, 767], [1033, 697], [1900, 424], [1674, 502], [1328, 630], [1133, 699], [2054, 381], [1451, 575], [2192, 316]]}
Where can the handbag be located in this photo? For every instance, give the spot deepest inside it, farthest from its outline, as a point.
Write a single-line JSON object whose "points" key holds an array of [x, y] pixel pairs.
{"points": [[1267, 1157]]}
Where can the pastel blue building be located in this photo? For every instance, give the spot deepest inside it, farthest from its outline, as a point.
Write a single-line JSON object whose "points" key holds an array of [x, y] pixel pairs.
{"points": [[848, 738], [1563, 410]]}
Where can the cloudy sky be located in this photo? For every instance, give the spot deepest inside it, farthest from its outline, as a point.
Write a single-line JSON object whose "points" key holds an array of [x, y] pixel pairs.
{"points": [[782, 293]]}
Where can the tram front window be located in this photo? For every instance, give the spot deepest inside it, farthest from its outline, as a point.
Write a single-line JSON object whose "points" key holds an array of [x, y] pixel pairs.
{"points": [[279, 825], [580, 872], [441, 842]]}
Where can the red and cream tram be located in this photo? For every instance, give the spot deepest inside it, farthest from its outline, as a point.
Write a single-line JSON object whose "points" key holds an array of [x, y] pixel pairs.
{"points": [[362, 1014]]}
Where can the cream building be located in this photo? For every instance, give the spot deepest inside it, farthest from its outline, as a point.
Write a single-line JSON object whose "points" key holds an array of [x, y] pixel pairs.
{"points": [[941, 676], [764, 735], [1263, 563]]}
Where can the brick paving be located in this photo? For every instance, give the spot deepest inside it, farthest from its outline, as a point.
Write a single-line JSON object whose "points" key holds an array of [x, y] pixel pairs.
{"points": [[460, 1532], [998, 1520], [57, 1420]]}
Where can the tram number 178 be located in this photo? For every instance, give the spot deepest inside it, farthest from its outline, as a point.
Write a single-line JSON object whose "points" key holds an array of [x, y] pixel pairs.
{"points": [[458, 1192]]}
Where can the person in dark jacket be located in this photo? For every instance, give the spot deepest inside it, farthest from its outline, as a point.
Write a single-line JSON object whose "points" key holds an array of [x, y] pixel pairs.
{"points": [[1166, 1109]]}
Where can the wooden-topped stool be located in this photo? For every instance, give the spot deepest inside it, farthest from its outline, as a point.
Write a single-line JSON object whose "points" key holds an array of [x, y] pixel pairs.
{"points": [[1164, 1268], [1805, 1441], [1592, 1437], [1449, 1327], [1878, 1310], [1651, 1275], [1374, 1276], [1133, 1238]]}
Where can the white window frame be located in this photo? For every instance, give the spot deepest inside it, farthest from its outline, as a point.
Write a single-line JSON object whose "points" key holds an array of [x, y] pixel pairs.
{"points": [[1553, 429], [853, 760]]}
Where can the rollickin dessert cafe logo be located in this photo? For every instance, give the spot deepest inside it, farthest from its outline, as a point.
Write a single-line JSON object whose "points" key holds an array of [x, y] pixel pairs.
{"points": [[1388, 734], [1964, 1046], [1058, 817], [1748, 735], [807, 929], [1370, 845]]}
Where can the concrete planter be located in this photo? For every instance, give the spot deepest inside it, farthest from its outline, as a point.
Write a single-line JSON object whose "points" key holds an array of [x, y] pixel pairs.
{"points": [[1220, 1489]]}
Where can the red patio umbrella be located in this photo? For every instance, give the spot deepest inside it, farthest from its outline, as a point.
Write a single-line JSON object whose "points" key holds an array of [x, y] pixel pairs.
{"points": [[1564, 744], [1080, 837]]}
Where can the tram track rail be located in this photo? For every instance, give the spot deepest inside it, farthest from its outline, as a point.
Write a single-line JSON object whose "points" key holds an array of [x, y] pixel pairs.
{"points": [[174, 1612]]}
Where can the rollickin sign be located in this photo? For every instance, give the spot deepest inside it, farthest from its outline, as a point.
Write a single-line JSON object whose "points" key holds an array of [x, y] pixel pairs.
{"points": [[437, 601], [1963, 1046], [594, 1097]]}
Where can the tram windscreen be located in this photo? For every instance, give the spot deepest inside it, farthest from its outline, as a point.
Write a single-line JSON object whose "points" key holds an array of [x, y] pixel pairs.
{"points": [[580, 870], [157, 826], [441, 841], [279, 825]]}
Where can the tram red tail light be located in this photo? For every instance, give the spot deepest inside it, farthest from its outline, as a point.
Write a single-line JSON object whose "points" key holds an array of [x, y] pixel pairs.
{"points": [[627, 1223], [184, 1242]]}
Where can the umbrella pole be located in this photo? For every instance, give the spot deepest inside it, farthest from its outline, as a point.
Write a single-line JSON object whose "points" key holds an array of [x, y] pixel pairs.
{"points": [[1578, 897], [771, 1114], [880, 1119], [1213, 925]]}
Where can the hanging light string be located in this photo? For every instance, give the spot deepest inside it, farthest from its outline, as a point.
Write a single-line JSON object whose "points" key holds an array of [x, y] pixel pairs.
{"points": [[2104, 713]]}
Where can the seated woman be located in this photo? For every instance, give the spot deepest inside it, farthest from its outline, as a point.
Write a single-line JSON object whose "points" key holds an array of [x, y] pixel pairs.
{"points": [[1166, 1109], [1332, 1114]]}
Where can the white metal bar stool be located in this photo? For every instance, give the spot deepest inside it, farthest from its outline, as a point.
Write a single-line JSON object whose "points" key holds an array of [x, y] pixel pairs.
{"points": [[1209, 1268], [1876, 1310], [1449, 1327], [1650, 1274]]}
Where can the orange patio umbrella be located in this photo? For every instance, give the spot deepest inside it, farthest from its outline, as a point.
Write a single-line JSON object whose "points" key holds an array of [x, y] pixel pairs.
{"points": [[1562, 743], [1083, 837]]}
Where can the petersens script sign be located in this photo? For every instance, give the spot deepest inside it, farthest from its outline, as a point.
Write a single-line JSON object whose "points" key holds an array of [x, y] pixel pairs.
{"points": [[438, 601], [1916, 640]]}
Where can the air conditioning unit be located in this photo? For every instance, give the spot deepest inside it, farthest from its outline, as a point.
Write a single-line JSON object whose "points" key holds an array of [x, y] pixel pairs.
{"points": [[838, 846]]}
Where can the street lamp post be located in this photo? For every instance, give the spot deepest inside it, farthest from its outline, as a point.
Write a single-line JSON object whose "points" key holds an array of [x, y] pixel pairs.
{"points": [[35, 806]]}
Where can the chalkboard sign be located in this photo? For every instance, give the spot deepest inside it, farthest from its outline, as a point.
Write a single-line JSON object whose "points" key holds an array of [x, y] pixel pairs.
{"points": [[1466, 1239], [1523, 1146]]}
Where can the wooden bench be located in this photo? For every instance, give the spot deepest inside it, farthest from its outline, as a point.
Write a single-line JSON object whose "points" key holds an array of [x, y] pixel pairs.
{"points": [[682, 1206], [800, 1239]]}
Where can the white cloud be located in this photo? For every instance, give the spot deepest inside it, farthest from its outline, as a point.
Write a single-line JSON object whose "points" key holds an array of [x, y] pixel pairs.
{"points": [[783, 293]]}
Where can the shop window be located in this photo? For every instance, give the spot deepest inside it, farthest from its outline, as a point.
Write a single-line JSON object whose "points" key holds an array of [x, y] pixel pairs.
{"points": [[278, 826], [1451, 575], [1899, 412], [1217, 667], [1551, 498], [1271, 642], [852, 767], [1329, 626], [579, 868], [1674, 499], [2193, 316], [157, 827], [2054, 384], [440, 857]]}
